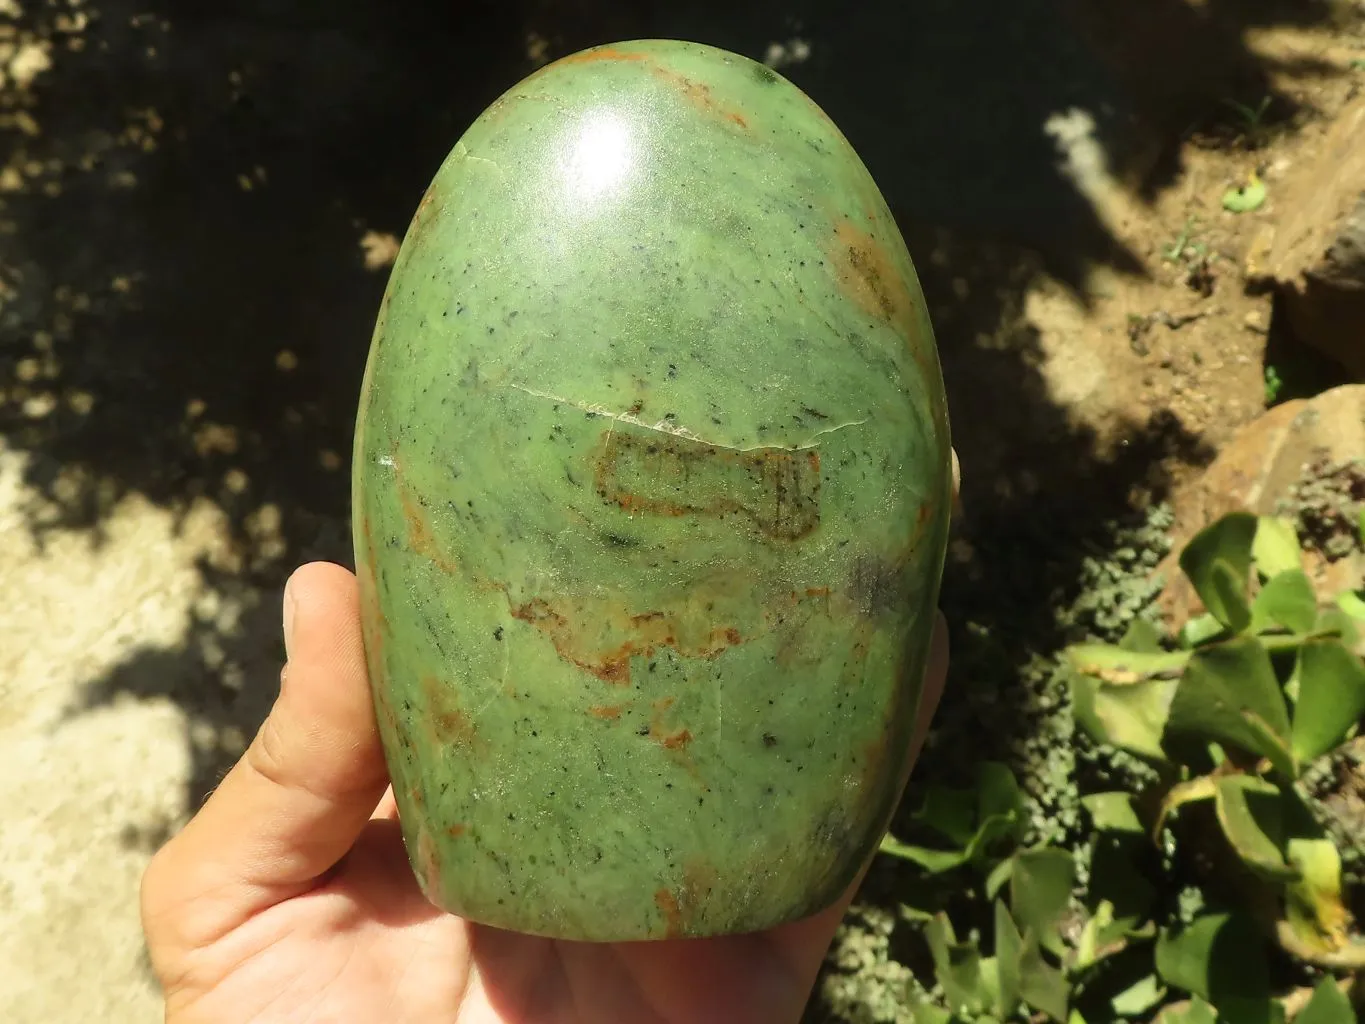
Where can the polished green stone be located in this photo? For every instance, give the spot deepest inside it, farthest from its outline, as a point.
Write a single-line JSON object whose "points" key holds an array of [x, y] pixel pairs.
{"points": [[651, 498]]}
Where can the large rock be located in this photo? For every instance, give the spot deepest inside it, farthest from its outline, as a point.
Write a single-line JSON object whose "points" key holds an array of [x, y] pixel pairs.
{"points": [[1315, 254], [1257, 471], [652, 489]]}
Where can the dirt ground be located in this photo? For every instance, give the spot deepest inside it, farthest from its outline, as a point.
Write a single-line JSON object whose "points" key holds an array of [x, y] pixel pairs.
{"points": [[196, 212]]}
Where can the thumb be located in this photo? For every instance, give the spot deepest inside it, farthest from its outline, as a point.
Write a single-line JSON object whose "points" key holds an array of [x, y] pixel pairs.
{"points": [[302, 792]]}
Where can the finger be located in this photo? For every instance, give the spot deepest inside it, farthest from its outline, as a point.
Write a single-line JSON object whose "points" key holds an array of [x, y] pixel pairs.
{"points": [[957, 485], [388, 807], [302, 792], [803, 943]]}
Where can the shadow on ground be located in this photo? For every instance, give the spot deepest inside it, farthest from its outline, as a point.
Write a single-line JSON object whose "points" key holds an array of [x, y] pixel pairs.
{"points": [[187, 308]]}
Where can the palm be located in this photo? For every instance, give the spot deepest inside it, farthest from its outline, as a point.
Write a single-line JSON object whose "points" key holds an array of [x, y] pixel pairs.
{"points": [[366, 945]]}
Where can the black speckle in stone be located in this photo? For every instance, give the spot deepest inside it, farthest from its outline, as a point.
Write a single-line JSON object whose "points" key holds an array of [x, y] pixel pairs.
{"points": [[497, 633], [490, 330], [643, 730], [672, 371], [769, 740], [617, 541], [653, 665]]}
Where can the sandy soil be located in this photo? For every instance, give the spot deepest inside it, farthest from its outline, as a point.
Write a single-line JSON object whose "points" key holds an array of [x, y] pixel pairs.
{"points": [[86, 792]]}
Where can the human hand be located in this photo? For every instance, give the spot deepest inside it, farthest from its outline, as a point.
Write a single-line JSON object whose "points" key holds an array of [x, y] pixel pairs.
{"points": [[288, 897]]}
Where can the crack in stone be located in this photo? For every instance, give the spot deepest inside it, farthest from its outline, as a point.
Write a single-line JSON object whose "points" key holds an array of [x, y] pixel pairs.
{"points": [[664, 427]]}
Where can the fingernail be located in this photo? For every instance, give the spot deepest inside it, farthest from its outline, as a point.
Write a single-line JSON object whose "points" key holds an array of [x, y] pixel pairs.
{"points": [[289, 604]]}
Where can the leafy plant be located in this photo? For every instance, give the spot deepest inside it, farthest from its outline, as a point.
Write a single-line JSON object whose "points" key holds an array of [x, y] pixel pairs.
{"points": [[1185, 245], [970, 823], [1233, 711], [1212, 729], [1252, 118], [1033, 965], [1274, 384]]}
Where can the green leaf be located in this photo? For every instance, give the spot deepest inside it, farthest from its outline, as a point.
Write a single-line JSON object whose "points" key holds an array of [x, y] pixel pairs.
{"points": [[950, 812], [990, 985], [999, 795], [1250, 811], [1191, 1011], [1313, 906], [1331, 697], [998, 876], [1353, 604], [935, 862], [1202, 787], [1112, 812], [1220, 958], [1139, 997], [1142, 636], [1043, 987], [1088, 948], [928, 1013], [999, 814], [1040, 892], [1286, 600], [957, 965], [1229, 693], [1130, 716], [1200, 630], [1009, 955], [1218, 562], [1334, 620], [1328, 1005], [1275, 549], [1120, 666], [1234, 611], [1245, 198], [1117, 881], [915, 915]]}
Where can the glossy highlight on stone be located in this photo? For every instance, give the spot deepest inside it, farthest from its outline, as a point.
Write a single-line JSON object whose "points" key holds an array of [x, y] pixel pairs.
{"points": [[651, 495]]}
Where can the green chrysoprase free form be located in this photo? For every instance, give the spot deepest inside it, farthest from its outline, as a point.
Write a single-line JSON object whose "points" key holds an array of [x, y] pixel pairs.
{"points": [[652, 484]]}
